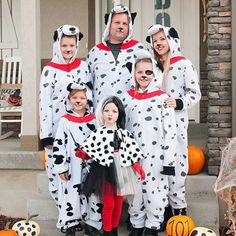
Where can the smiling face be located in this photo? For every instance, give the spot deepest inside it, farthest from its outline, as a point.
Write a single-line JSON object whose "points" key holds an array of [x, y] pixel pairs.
{"points": [[68, 47], [119, 28], [78, 100], [143, 74], [160, 44], [110, 115]]}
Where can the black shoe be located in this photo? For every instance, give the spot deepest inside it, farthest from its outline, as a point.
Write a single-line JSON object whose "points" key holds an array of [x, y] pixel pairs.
{"points": [[167, 215], [107, 233], [150, 232], [181, 211], [70, 233], [91, 231], [129, 226], [136, 232], [115, 232]]}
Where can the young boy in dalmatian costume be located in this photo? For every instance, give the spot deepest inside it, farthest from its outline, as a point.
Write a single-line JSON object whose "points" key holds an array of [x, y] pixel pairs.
{"points": [[107, 59], [182, 85], [63, 69], [152, 123], [72, 130]]}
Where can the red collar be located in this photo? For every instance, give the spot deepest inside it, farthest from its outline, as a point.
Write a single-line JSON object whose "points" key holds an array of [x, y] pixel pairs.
{"points": [[76, 63], [130, 44], [83, 119], [175, 59], [142, 96]]}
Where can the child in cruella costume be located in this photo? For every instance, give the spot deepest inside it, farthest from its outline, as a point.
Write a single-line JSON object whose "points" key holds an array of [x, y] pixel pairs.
{"points": [[115, 156], [181, 82], [153, 125]]}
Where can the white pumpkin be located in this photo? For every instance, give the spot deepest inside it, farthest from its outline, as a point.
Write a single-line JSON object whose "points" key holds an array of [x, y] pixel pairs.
{"points": [[202, 231], [27, 227]]}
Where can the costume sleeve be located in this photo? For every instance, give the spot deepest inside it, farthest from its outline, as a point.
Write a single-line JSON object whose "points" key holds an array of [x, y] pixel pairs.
{"points": [[170, 136], [90, 64], [45, 106], [192, 93], [60, 154]]}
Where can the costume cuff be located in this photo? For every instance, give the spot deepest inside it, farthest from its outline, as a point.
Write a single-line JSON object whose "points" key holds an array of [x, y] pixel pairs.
{"points": [[46, 141], [168, 170]]}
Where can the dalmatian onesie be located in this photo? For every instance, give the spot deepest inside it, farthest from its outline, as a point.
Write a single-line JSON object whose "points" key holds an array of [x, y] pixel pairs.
{"points": [[55, 77], [110, 75], [153, 125], [182, 84]]}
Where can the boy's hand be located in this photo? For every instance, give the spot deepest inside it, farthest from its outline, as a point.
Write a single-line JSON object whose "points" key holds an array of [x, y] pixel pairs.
{"points": [[64, 176]]}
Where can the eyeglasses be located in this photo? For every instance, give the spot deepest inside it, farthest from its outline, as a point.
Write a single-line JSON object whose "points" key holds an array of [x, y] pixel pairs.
{"points": [[146, 72]]}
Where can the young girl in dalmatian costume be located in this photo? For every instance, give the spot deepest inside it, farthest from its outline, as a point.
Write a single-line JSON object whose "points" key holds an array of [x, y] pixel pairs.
{"points": [[182, 85], [72, 130], [64, 69], [116, 155], [152, 123], [107, 59]]}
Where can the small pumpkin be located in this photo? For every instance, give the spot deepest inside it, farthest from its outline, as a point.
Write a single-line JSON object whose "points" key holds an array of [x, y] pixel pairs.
{"points": [[199, 231], [43, 158], [196, 160], [179, 225], [27, 227], [8, 232]]}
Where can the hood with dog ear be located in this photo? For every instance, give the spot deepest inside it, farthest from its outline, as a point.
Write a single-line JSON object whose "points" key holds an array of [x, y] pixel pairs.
{"points": [[108, 18], [80, 86], [68, 30], [171, 35], [157, 71]]}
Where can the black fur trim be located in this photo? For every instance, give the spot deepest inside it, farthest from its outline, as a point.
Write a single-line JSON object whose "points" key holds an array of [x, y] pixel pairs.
{"points": [[173, 33], [168, 170], [46, 141], [55, 36], [106, 17], [133, 15], [148, 39], [80, 36], [129, 66], [179, 104]]}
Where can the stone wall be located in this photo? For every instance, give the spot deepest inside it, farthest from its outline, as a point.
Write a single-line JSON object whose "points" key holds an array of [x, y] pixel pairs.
{"points": [[219, 75]]}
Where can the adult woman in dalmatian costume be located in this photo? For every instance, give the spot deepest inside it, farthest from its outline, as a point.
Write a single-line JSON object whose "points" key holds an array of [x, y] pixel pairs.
{"points": [[63, 69], [182, 85], [152, 123], [115, 156], [107, 59], [72, 130]]}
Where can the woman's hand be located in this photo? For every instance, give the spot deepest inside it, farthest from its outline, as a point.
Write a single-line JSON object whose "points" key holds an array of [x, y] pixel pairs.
{"points": [[171, 102], [64, 176]]}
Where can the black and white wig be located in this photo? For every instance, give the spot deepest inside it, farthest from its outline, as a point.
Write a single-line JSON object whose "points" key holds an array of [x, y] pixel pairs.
{"points": [[118, 104]]}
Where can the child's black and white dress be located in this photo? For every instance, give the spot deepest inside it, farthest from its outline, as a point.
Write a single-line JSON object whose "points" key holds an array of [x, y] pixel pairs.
{"points": [[72, 130], [113, 153]]}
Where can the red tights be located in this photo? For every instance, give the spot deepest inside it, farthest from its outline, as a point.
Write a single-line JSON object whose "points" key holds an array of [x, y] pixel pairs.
{"points": [[112, 208]]}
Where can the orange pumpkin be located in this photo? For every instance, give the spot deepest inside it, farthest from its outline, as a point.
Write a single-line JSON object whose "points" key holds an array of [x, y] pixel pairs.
{"points": [[43, 158], [196, 160], [179, 225], [8, 232]]}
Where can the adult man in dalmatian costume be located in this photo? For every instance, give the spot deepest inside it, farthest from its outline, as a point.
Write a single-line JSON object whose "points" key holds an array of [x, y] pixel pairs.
{"points": [[63, 69], [107, 60]]}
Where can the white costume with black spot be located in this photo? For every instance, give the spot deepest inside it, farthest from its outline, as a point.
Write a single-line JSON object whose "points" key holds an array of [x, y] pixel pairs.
{"points": [[110, 76], [55, 77], [182, 83], [72, 130], [153, 125]]}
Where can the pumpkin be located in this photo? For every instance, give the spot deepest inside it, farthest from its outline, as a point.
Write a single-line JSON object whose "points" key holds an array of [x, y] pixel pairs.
{"points": [[199, 231], [179, 225], [8, 232], [196, 160], [43, 158], [27, 227]]}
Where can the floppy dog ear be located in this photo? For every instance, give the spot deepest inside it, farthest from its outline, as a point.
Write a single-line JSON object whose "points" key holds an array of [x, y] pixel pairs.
{"points": [[69, 87], [55, 36], [133, 15], [129, 66], [148, 39], [173, 33], [80, 36], [106, 17]]}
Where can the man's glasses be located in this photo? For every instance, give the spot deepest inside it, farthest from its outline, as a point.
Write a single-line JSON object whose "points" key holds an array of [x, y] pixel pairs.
{"points": [[146, 72]]}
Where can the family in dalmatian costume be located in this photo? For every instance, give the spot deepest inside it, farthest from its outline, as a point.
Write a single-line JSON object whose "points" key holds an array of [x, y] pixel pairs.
{"points": [[107, 59], [55, 78], [181, 83], [152, 123], [72, 131]]}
